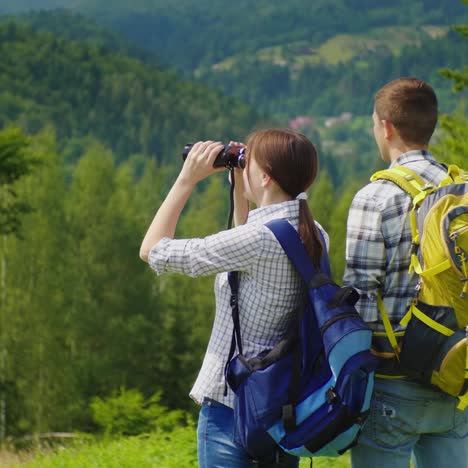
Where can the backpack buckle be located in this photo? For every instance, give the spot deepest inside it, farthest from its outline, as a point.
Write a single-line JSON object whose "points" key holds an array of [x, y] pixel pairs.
{"points": [[331, 395], [288, 415], [414, 248]]}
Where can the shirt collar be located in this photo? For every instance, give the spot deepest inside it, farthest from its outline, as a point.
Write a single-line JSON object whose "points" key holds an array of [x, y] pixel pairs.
{"points": [[288, 209], [412, 156]]}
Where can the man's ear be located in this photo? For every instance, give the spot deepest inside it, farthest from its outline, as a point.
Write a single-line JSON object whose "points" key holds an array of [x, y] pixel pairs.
{"points": [[389, 129]]}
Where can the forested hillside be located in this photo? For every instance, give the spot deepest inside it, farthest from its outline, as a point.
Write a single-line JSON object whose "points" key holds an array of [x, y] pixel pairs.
{"points": [[80, 314], [69, 25], [100, 128], [297, 58], [188, 33], [85, 90], [326, 91], [287, 81], [223, 28]]}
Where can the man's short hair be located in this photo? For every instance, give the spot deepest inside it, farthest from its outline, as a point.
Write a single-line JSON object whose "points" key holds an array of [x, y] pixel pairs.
{"points": [[411, 105]]}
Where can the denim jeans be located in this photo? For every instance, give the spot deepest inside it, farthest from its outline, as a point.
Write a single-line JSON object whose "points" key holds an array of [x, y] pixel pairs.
{"points": [[216, 445], [408, 419]]}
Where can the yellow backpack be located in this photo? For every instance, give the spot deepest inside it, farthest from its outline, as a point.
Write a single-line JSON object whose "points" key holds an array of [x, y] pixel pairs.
{"points": [[434, 346]]}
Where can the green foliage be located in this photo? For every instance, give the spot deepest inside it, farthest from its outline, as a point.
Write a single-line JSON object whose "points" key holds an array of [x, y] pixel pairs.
{"points": [[33, 304], [80, 314], [323, 199], [15, 163], [126, 412], [338, 232], [286, 88], [452, 146], [164, 26], [174, 449], [71, 26], [330, 206], [85, 90], [460, 78]]}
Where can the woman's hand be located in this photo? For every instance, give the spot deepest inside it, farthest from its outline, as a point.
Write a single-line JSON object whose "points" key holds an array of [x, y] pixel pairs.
{"points": [[199, 162], [198, 165]]}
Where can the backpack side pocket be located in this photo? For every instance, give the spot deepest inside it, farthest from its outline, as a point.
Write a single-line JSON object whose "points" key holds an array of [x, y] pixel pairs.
{"points": [[434, 348]]}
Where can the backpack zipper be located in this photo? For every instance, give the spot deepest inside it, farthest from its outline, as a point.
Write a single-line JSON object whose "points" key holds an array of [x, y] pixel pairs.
{"points": [[334, 319]]}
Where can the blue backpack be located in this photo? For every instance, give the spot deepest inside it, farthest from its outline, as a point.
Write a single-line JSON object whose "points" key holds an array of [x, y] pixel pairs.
{"points": [[310, 394]]}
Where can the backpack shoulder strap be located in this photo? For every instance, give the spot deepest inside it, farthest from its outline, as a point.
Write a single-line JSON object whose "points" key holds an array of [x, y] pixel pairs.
{"points": [[417, 189], [455, 175], [402, 176], [292, 245]]}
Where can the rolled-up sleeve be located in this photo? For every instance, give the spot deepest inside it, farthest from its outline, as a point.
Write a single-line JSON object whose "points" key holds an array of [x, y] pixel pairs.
{"points": [[235, 249]]}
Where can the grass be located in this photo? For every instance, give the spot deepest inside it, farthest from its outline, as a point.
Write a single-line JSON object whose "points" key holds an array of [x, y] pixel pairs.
{"points": [[176, 449]]}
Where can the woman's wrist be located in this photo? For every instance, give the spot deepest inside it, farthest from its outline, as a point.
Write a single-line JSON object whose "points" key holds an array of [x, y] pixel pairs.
{"points": [[185, 182]]}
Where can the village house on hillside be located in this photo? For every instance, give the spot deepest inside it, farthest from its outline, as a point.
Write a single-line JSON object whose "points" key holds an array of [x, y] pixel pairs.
{"points": [[343, 118], [302, 122]]}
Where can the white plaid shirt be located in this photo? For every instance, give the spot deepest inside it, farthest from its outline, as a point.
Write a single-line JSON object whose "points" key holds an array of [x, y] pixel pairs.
{"points": [[378, 241], [269, 288]]}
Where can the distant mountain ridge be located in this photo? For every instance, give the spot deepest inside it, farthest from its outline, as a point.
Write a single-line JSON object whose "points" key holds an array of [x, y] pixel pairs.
{"points": [[290, 63], [189, 33]]}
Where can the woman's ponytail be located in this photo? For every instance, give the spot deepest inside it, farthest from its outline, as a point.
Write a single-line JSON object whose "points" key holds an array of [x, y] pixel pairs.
{"points": [[309, 234]]}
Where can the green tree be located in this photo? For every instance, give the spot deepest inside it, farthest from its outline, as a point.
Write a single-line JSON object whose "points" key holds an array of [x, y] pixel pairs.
{"points": [[189, 305], [15, 163], [452, 147], [338, 217], [323, 199], [34, 285]]}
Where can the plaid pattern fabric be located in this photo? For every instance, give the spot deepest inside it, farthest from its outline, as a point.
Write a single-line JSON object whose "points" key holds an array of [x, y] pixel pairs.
{"points": [[269, 288], [378, 241]]}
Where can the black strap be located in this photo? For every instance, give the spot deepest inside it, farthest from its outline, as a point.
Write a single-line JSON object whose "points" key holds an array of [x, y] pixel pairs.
{"points": [[233, 278], [288, 411], [231, 197]]}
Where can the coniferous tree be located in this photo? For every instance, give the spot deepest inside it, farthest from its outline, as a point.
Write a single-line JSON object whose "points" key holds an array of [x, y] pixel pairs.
{"points": [[452, 147], [338, 218], [35, 286], [188, 313], [323, 200], [15, 163]]}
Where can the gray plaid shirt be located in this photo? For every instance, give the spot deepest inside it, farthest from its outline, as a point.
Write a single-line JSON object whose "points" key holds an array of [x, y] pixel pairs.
{"points": [[269, 289], [378, 241]]}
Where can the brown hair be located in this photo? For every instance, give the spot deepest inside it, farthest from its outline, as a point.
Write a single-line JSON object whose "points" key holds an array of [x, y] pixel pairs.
{"points": [[411, 105], [291, 160]]}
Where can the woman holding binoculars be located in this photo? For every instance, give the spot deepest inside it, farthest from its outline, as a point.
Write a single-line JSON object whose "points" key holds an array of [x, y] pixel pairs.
{"points": [[279, 166]]}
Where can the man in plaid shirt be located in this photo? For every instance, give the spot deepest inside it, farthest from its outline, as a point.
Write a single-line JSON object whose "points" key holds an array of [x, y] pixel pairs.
{"points": [[406, 418]]}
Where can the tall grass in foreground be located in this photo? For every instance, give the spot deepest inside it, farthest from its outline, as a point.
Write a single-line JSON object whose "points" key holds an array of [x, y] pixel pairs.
{"points": [[175, 449]]}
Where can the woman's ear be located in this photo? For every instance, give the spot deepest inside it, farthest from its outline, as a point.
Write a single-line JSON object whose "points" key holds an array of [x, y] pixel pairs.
{"points": [[265, 180]]}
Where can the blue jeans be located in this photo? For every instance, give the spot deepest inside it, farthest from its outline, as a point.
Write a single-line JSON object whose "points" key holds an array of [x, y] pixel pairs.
{"points": [[216, 445], [407, 418]]}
